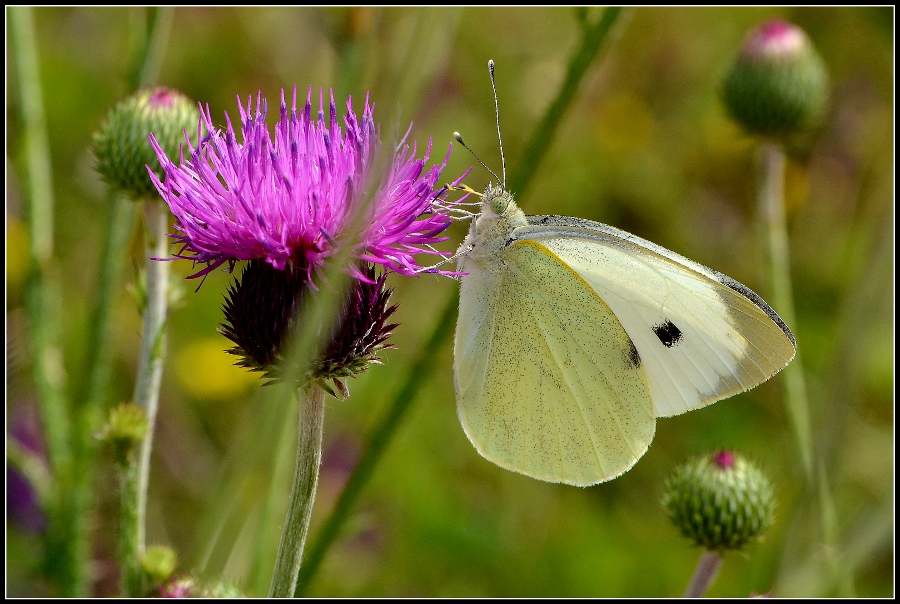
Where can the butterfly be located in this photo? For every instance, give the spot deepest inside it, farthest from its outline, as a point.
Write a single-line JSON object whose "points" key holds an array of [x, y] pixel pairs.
{"points": [[573, 337]]}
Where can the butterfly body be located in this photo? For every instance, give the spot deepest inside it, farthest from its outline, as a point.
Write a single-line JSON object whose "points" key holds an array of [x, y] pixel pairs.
{"points": [[574, 336]]}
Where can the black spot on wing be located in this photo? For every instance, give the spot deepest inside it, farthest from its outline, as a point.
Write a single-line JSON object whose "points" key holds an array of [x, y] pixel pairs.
{"points": [[633, 357], [667, 333]]}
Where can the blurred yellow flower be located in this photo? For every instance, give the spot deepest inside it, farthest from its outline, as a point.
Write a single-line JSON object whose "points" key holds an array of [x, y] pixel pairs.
{"points": [[207, 372], [16, 254]]}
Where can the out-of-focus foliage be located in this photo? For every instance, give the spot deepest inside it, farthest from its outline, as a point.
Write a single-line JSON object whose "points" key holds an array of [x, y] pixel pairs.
{"points": [[646, 147]]}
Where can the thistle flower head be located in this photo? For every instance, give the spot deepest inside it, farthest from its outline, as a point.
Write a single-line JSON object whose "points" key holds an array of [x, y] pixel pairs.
{"points": [[289, 198], [720, 501]]}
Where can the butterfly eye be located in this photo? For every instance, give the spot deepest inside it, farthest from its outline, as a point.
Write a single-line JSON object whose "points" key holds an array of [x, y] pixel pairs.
{"points": [[500, 202]]}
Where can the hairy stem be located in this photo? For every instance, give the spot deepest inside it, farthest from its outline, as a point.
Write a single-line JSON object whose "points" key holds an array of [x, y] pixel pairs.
{"points": [[303, 493], [130, 548], [41, 308], [770, 194], [153, 346]]}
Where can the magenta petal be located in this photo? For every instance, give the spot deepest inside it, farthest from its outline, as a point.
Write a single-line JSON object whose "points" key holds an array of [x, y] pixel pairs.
{"points": [[273, 196]]}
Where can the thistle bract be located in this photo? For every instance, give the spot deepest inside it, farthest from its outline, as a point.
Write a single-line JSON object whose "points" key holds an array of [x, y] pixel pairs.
{"points": [[264, 306]]}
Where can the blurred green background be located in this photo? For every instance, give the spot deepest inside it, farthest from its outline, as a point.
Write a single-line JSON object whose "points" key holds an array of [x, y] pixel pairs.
{"points": [[646, 146]]}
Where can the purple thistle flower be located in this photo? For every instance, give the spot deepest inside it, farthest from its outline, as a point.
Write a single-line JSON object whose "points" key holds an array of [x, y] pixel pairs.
{"points": [[289, 199]]}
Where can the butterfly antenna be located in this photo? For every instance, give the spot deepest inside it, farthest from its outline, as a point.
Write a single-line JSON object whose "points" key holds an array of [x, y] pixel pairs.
{"points": [[497, 111], [460, 140]]}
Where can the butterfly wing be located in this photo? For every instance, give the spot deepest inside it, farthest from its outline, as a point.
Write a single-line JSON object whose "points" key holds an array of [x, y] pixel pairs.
{"points": [[701, 335], [548, 383]]}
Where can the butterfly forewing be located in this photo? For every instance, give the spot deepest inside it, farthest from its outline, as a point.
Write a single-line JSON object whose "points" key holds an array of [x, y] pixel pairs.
{"points": [[548, 382], [701, 336]]}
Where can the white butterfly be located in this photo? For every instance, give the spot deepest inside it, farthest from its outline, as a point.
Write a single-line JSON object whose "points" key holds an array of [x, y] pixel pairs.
{"points": [[574, 336]]}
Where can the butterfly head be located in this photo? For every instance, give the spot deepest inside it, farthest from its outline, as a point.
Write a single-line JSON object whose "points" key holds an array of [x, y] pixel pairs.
{"points": [[497, 199]]}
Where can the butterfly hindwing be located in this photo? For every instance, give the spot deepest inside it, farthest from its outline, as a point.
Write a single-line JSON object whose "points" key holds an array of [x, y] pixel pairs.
{"points": [[701, 335], [548, 382]]}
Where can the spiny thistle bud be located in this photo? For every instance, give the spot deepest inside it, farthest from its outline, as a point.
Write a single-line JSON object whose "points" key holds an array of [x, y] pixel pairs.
{"points": [[778, 85], [125, 430], [720, 501], [263, 307], [189, 587], [221, 589], [122, 146], [159, 562], [181, 587]]}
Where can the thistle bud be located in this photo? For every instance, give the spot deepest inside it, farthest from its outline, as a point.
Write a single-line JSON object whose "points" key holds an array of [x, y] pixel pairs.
{"points": [[778, 85], [720, 501], [126, 428], [180, 587], [190, 587], [122, 146], [159, 563]]}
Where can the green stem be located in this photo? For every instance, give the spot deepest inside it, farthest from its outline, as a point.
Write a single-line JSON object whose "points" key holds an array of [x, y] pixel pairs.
{"points": [[149, 34], [160, 26], [539, 143], [46, 354], [303, 493], [770, 195], [262, 558], [130, 547], [93, 401], [153, 345], [37, 146], [706, 571], [94, 398], [378, 442], [381, 436], [41, 307]]}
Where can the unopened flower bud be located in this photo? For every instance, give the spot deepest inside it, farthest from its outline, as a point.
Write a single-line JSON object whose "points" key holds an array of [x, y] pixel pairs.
{"points": [[720, 501], [159, 562], [126, 428], [122, 146], [778, 85]]}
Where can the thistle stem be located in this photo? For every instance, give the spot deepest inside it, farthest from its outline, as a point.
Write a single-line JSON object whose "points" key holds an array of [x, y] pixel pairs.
{"points": [[43, 337], [94, 398], [129, 534], [152, 351], [706, 571], [41, 307], [770, 196], [375, 447], [303, 493]]}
